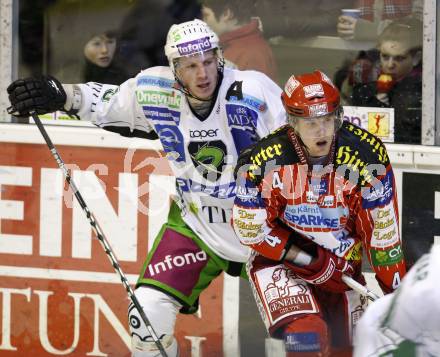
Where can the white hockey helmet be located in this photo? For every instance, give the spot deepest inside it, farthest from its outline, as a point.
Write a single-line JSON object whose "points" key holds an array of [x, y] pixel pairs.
{"points": [[190, 38]]}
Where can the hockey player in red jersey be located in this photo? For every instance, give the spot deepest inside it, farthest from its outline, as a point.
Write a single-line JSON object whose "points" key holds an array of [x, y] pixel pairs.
{"points": [[311, 198]]}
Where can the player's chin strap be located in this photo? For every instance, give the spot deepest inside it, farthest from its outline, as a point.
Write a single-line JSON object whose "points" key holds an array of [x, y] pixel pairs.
{"points": [[99, 233]]}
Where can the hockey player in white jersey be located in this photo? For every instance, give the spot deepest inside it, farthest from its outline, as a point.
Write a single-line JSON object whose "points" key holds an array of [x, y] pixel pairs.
{"points": [[204, 115], [405, 323]]}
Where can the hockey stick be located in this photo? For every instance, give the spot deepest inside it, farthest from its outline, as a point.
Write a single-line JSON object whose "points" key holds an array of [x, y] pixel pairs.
{"points": [[99, 233], [359, 287]]}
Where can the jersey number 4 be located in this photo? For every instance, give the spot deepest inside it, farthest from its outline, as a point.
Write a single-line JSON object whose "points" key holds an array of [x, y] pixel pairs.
{"points": [[272, 241]]}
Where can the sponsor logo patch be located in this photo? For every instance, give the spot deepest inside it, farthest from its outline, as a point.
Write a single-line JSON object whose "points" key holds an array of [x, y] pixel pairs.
{"points": [[302, 342], [358, 168], [249, 101], [155, 81], [378, 196], [161, 114], [328, 201], [108, 94], [312, 216], [326, 79], [385, 233], [195, 46], [249, 224], [267, 153], [201, 134], [355, 253], [172, 141], [241, 117], [387, 257], [218, 191], [208, 158], [376, 146], [177, 262], [169, 99], [244, 192], [313, 90], [291, 85], [172, 262], [316, 110], [283, 295], [309, 220]]}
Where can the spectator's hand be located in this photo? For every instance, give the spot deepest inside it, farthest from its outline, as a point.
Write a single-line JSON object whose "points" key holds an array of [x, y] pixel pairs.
{"points": [[42, 95], [346, 26], [325, 271]]}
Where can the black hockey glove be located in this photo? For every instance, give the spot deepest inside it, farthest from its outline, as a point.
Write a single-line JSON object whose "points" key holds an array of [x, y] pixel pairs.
{"points": [[43, 95]]}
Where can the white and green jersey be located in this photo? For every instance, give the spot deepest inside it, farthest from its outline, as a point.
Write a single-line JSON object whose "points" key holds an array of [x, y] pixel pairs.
{"points": [[407, 322], [202, 153]]}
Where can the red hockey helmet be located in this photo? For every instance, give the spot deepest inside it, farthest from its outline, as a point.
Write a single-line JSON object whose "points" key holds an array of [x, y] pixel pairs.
{"points": [[311, 95]]}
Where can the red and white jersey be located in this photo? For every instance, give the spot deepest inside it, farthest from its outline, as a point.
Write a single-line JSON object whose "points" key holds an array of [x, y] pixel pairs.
{"points": [[346, 205]]}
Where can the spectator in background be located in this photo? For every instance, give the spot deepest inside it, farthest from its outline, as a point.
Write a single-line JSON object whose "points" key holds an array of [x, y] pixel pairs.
{"points": [[399, 84], [241, 39], [99, 54], [375, 16], [143, 32], [364, 69]]}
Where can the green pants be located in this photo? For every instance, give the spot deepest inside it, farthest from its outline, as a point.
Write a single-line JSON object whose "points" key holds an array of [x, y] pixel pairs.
{"points": [[181, 264]]}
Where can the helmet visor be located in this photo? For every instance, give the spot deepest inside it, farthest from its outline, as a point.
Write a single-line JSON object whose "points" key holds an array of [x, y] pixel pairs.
{"points": [[316, 127]]}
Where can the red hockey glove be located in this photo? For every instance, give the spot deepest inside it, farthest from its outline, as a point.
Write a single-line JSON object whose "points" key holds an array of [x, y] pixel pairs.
{"points": [[325, 271]]}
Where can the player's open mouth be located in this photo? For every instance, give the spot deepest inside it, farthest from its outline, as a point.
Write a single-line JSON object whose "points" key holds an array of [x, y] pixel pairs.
{"points": [[321, 143], [203, 86]]}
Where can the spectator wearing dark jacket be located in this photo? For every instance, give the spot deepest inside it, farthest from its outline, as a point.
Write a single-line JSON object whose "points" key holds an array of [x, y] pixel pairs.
{"points": [[99, 64], [399, 84]]}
